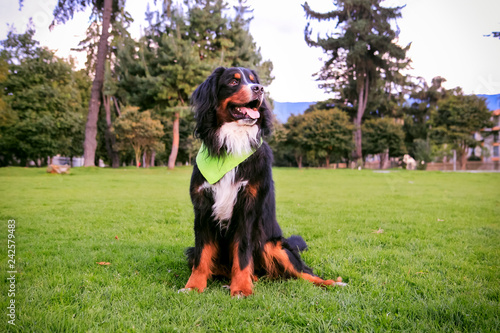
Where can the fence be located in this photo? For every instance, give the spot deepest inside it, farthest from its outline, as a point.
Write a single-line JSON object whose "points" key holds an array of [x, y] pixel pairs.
{"points": [[479, 166]]}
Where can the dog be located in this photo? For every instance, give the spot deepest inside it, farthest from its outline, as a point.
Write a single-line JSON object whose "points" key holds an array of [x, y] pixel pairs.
{"points": [[232, 190]]}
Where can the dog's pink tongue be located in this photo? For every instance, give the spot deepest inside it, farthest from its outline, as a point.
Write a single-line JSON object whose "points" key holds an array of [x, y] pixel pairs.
{"points": [[252, 113]]}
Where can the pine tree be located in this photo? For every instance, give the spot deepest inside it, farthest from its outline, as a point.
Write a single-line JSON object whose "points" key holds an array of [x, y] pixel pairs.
{"points": [[360, 54], [243, 51], [181, 47], [63, 12], [168, 68], [89, 45]]}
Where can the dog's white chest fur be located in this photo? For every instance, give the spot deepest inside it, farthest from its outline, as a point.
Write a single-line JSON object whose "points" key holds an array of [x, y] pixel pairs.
{"points": [[236, 138], [225, 194]]}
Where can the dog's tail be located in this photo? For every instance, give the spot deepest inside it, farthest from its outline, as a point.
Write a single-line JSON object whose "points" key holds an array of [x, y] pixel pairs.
{"points": [[297, 242]]}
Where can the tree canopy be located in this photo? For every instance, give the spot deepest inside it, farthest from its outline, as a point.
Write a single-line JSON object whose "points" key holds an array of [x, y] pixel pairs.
{"points": [[320, 135], [362, 52], [180, 48], [383, 136], [457, 117], [45, 102], [139, 130]]}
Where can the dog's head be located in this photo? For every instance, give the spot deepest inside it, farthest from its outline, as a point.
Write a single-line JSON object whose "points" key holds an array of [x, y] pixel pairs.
{"points": [[230, 106]]}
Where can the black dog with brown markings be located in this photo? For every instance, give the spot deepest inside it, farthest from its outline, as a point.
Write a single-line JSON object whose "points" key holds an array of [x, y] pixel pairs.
{"points": [[236, 232]]}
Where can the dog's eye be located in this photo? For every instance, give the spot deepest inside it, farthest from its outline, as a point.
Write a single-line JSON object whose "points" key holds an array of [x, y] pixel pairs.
{"points": [[234, 82]]}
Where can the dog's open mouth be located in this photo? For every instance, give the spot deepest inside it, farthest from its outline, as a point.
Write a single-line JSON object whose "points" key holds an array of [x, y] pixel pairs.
{"points": [[247, 111]]}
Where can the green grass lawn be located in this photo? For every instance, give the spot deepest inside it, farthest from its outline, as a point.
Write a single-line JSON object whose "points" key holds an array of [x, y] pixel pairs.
{"points": [[434, 268]]}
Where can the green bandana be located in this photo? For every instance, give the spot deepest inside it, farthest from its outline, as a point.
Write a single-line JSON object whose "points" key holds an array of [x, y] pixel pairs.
{"points": [[214, 168]]}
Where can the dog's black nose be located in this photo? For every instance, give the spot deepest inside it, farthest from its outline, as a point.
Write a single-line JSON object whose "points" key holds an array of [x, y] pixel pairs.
{"points": [[258, 89]]}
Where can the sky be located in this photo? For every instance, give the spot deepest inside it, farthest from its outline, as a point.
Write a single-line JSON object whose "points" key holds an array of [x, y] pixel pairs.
{"points": [[447, 39]]}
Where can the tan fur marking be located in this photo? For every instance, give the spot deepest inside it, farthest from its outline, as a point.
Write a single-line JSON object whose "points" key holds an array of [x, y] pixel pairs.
{"points": [[241, 279], [274, 255], [242, 97], [316, 280], [252, 190], [204, 271]]}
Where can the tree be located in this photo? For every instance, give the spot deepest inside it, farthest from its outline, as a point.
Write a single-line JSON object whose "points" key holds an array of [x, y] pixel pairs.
{"points": [[43, 112], [4, 73], [175, 68], [63, 12], [320, 134], [361, 54], [139, 130], [457, 117], [328, 134], [295, 140], [383, 136], [89, 45], [181, 46], [424, 99], [241, 49]]}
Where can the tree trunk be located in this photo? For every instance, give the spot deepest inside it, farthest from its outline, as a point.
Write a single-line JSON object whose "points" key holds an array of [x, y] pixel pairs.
{"points": [[90, 143], [110, 137], [384, 158], [363, 91], [146, 158], [299, 161], [117, 108], [175, 142], [463, 159], [153, 157], [358, 153], [137, 157]]}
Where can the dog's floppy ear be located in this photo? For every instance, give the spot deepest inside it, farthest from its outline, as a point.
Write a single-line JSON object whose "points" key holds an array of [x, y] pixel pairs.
{"points": [[204, 101], [266, 124]]}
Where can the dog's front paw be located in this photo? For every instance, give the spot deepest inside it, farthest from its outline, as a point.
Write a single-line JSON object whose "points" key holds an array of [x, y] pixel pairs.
{"points": [[241, 287], [241, 293], [184, 290]]}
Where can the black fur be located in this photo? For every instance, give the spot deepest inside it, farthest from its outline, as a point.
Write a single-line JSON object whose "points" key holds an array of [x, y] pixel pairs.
{"points": [[253, 222], [205, 101], [297, 242]]}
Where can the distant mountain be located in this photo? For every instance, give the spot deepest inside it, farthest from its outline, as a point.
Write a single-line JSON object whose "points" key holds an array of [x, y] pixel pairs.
{"points": [[285, 110]]}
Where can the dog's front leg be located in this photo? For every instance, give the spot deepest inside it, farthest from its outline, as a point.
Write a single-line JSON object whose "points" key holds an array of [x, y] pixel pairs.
{"points": [[242, 270], [202, 269]]}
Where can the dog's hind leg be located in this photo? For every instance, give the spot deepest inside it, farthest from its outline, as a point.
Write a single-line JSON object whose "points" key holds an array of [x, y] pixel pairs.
{"points": [[202, 270], [282, 261]]}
